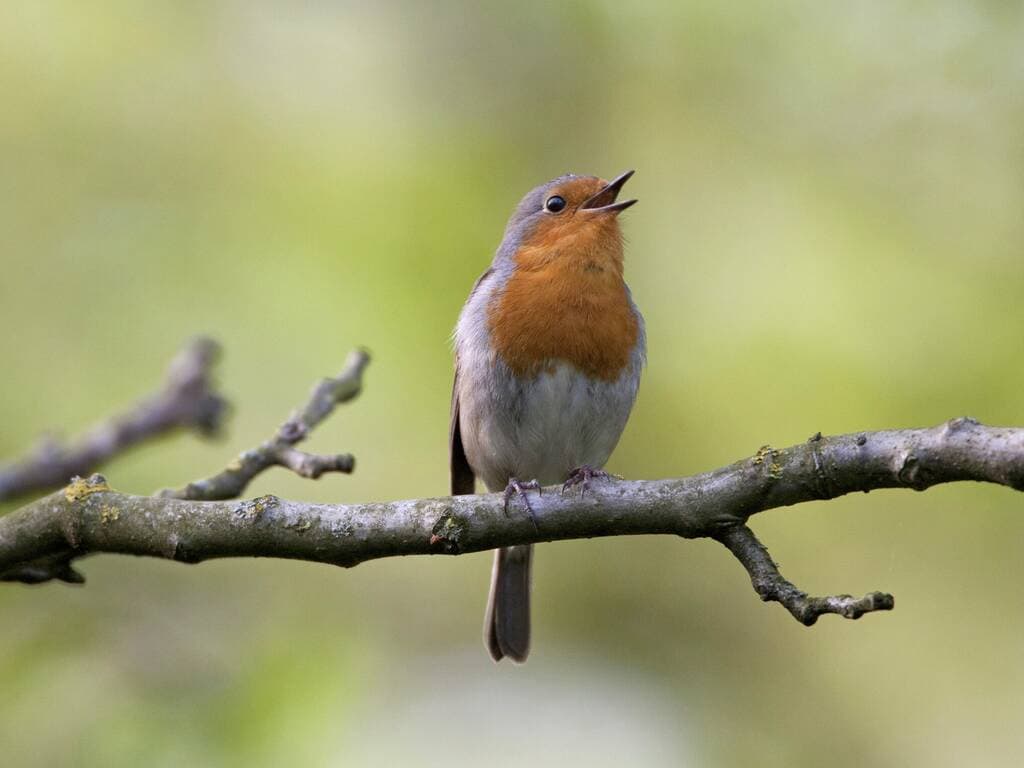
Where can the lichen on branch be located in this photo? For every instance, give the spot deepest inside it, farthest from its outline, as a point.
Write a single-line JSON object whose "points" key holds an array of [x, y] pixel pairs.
{"points": [[40, 541]]}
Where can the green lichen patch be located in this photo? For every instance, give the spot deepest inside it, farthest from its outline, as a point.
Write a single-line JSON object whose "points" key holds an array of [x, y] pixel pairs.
{"points": [[764, 453], [254, 509], [79, 488], [766, 456], [301, 525], [109, 513], [447, 531]]}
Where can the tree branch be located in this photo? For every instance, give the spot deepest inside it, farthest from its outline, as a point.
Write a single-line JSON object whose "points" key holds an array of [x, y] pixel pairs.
{"points": [[772, 586], [188, 400], [39, 541], [279, 450]]}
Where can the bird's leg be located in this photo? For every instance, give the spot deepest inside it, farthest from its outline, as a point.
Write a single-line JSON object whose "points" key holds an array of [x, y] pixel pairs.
{"points": [[582, 476], [516, 488]]}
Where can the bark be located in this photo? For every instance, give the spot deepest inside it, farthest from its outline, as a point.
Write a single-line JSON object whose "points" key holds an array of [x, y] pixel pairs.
{"points": [[40, 541], [187, 400]]}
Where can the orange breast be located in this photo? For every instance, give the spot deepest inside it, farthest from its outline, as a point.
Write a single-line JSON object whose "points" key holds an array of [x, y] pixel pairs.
{"points": [[567, 301]]}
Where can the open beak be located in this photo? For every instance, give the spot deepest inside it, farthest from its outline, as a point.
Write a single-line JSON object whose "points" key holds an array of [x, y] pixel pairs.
{"points": [[604, 200]]}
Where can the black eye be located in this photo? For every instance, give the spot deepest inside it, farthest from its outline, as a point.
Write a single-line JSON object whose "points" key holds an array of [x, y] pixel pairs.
{"points": [[555, 204]]}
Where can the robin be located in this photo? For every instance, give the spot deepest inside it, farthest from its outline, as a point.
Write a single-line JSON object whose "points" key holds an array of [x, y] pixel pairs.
{"points": [[548, 352]]}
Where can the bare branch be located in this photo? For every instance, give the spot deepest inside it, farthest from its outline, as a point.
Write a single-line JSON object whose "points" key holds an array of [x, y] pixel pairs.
{"points": [[188, 400], [39, 541], [279, 450], [772, 586]]}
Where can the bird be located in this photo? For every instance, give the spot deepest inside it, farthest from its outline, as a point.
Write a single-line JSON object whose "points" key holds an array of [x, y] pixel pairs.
{"points": [[549, 348]]}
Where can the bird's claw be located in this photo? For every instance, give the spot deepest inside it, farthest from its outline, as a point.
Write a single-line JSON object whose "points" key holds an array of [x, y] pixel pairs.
{"points": [[582, 476], [516, 488]]}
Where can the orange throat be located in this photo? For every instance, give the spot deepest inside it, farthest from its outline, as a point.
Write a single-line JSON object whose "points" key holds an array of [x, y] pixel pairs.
{"points": [[567, 301]]}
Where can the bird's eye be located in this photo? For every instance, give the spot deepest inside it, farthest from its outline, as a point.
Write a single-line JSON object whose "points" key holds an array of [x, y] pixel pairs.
{"points": [[554, 204]]}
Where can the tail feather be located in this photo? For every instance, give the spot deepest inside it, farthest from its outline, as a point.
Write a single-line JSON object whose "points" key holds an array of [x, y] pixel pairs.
{"points": [[507, 623]]}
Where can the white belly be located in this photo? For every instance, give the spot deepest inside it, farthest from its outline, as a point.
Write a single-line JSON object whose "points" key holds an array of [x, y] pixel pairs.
{"points": [[543, 428]]}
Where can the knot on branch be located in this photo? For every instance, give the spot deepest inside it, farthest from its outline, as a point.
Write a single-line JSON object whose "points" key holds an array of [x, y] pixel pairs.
{"points": [[446, 532], [912, 473], [825, 486], [960, 424], [292, 431]]}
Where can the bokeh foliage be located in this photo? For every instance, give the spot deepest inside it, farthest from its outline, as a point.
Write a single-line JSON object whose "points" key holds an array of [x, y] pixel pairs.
{"points": [[829, 238]]}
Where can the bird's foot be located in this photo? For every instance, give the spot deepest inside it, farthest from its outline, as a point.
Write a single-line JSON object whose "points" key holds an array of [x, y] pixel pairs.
{"points": [[582, 476], [516, 488]]}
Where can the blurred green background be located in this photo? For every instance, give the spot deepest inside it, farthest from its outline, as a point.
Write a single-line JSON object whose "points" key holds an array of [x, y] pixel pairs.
{"points": [[829, 238]]}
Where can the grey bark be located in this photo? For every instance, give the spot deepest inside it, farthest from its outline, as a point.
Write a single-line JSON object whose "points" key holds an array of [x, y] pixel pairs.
{"points": [[232, 481], [40, 541], [188, 400]]}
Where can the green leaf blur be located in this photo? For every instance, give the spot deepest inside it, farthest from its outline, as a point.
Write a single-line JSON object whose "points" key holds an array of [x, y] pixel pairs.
{"points": [[829, 237]]}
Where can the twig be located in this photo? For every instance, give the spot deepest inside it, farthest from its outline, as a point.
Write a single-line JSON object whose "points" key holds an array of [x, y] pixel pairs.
{"points": [[188, 400], [39, 541], [280, 450], [772, 586]]}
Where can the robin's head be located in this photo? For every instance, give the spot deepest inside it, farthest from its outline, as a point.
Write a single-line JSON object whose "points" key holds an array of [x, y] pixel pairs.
{"points": [[569, 213]]}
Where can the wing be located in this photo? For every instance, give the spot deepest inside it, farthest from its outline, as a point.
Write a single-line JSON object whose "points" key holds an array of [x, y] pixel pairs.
{"points": [[463, 479]]}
